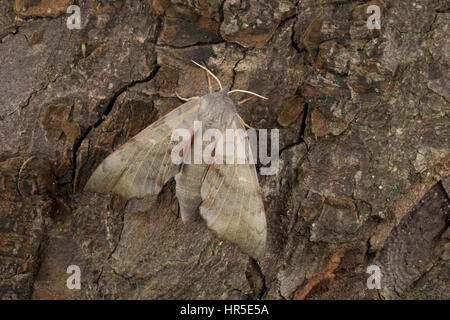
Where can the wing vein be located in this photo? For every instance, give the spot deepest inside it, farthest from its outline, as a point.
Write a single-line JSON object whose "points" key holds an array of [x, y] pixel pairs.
{"points": [[114, 182], [151, 165], [219, 213]]}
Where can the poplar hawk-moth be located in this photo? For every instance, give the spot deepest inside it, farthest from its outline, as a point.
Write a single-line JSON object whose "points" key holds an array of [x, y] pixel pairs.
{"points": [[227, 196]]}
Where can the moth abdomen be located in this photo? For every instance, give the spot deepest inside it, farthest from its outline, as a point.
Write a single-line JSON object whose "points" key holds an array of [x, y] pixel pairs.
{"points": [[188, 185]]}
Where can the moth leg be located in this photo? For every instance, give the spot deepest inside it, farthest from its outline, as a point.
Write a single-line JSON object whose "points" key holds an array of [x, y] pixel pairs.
{"points": [[185, 99], [243, 122], [244, 100], [211, 90]]}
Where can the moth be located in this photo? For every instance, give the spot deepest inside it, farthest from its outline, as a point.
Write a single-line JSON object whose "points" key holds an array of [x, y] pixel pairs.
{"points": [[227, 196]]}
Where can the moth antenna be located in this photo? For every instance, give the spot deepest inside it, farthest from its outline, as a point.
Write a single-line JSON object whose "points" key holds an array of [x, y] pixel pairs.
{"points": [[245, 91], [206, 69]]}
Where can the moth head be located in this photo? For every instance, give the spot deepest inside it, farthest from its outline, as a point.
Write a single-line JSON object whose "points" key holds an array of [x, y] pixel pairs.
{"points": [[220, 84]]}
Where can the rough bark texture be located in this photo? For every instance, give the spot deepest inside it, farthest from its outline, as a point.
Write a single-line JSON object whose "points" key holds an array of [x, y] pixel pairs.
{"points": [[364, 138]]}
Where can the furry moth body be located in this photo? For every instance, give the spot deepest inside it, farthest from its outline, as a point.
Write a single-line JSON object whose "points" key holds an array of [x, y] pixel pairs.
{"points": [[227, 196]]}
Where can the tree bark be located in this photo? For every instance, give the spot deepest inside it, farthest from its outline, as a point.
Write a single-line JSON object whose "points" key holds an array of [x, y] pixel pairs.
{"points": [[364, 147]]}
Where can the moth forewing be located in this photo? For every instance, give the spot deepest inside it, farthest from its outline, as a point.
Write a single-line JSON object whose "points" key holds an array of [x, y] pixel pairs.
{"points": [[179, 150], [232, 205], [236, 146], [144, 164]]}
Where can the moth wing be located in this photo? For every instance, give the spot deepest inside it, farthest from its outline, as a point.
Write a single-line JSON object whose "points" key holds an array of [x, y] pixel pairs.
{"points": [[232, 204], [143, 165]]}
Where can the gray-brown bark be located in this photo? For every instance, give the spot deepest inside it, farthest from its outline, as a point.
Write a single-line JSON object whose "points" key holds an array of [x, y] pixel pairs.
{"points": [[364, 137]]}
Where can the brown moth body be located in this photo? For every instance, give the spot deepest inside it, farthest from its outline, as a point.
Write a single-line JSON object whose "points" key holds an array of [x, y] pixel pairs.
{"points": [[227, 196]]}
